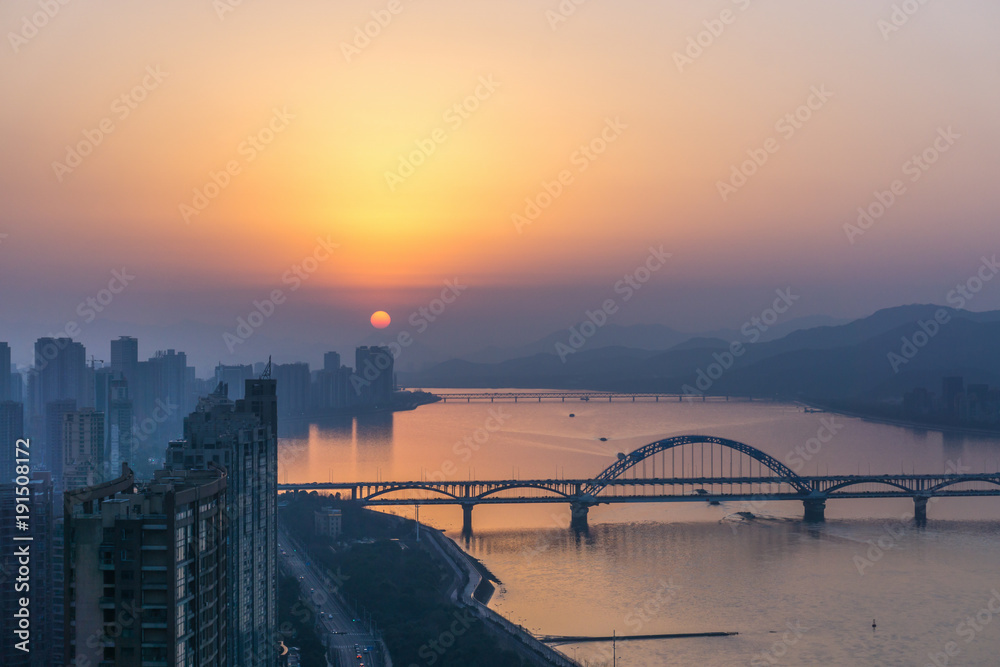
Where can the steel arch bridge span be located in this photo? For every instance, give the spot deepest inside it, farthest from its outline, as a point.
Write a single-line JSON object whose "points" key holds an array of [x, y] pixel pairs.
{"points": [[987, 478], [490, 491], [624, 463], [508, 487], [408, 487], [871, 480]]}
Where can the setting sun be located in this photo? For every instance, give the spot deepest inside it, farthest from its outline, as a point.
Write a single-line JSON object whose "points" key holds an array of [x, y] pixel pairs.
{"points": [[380, 319]]}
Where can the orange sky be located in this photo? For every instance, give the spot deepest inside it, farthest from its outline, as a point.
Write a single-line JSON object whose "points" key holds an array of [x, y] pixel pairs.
{"points": [[345, 124]]}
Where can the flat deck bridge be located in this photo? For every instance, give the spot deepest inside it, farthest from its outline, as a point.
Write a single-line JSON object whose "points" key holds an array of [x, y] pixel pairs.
{"points": [[688, 468], [539, 396]]}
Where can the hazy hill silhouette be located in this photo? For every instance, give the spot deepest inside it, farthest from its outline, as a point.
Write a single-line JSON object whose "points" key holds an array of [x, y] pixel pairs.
{"points": [[844, 361]]}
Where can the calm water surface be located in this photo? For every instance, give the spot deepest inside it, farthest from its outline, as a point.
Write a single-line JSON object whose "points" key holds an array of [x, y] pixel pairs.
{"points": [[797, 594]]}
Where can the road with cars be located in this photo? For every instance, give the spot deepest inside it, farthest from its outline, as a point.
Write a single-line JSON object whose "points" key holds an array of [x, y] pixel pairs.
{"points": [[350, 644]]}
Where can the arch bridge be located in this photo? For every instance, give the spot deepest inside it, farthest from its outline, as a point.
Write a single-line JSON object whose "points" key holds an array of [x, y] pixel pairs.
{"points": [[687, 468]]}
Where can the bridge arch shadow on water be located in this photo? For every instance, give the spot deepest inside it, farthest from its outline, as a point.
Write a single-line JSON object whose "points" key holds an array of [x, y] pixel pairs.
{"points": [[686, 468]]}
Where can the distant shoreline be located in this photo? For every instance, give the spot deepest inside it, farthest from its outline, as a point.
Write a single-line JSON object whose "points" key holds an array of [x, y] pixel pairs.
{"points": [[891, 421]]}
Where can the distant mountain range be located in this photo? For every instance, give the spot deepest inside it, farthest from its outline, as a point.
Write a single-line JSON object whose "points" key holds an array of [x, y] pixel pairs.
{"points": [[874, 358], [641, 336]]}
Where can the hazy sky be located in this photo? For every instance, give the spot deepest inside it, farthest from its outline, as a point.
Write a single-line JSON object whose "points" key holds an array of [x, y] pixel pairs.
{"points": [[318, 125]]}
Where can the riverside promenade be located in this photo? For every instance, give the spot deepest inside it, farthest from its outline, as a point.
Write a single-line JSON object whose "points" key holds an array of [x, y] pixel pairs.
{"points": [[467, 579]]}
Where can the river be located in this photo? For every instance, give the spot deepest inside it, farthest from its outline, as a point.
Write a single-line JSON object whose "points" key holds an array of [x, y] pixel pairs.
{"points": [[797, 594]]}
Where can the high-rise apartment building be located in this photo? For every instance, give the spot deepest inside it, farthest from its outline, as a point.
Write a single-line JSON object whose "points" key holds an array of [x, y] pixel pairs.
{"points": [[125, 356], [16, 387], [61, 370], [11, 430], [119, 425], [373, 375], [146, 568], [295, 384], [241, 437], [5, 371], [331, 361], [53, 453], [84, 459], [59, 378]]}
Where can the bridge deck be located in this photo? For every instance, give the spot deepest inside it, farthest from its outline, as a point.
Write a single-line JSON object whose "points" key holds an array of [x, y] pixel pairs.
{"points": [[510, 491], [539, 396]]}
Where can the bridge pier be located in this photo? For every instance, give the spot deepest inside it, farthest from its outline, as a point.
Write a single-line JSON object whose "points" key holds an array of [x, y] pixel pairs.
{"points": [[920, 509], [578, 516], [467, 518], [815, 509]]}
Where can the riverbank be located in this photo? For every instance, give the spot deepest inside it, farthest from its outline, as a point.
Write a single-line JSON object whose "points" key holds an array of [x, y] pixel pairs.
{"points": [[419, 594], [874, 417], [518, 638]]}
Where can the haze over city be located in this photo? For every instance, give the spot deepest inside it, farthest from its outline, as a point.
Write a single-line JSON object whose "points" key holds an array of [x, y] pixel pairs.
{"points": [[336, 122]]}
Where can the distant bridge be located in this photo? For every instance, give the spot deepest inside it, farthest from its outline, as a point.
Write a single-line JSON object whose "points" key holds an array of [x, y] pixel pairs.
{"points": [[701, 469], [539, 396]]}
